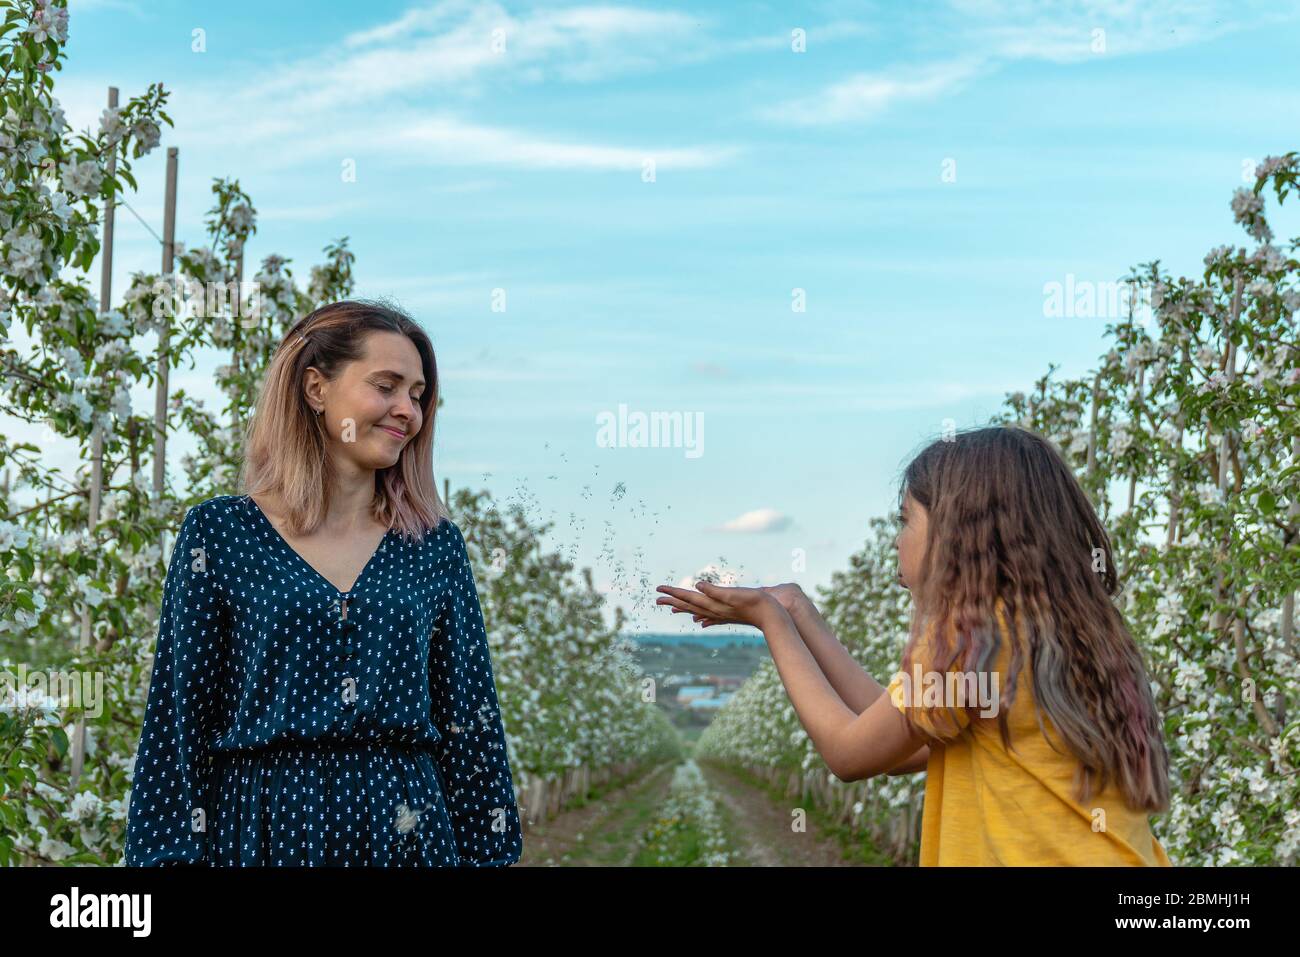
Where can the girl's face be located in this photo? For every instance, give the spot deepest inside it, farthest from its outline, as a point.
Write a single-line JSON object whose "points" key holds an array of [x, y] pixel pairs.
{"points": [[911, 542], [372, 410]]}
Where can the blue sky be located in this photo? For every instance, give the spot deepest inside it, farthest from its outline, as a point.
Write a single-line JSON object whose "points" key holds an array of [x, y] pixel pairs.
{"points": [[523, 169]]}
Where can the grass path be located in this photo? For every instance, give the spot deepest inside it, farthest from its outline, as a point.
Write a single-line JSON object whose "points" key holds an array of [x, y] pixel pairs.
{"points": [[605, 831], [759, 826]]}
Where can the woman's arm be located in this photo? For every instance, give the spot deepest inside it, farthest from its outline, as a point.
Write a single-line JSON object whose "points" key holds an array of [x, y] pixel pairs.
{"points": [[171, 782], [471, 756]]}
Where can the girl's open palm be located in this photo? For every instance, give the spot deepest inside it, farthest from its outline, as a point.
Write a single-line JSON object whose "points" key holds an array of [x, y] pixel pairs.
{"points": [[715, 605]]}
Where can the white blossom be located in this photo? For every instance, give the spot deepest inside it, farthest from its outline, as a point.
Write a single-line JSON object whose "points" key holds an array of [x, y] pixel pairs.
{"points": [[1218, 254], [146, 132], [91, 595], [14, 536], [1216, 380], [81, 179], [240, 217], [113, 323], [48, 21], [1121, 439], [1272, 164], [111, 127], [85, 806], [26, 255], [60, 209]]}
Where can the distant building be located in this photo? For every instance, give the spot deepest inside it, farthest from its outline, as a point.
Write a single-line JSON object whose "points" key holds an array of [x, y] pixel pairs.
{"points": [[692, 692], [710, 704]]}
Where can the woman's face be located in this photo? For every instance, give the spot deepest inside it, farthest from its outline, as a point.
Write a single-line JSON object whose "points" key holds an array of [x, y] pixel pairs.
{"points": [[372, 410], [911, 542]]}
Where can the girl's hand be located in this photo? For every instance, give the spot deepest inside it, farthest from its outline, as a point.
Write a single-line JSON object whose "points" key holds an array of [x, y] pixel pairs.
{"points": [[713, 604], [790, 595]]}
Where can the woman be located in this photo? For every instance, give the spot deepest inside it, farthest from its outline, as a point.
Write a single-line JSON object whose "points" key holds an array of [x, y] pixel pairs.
{"points": [[322, 691]]}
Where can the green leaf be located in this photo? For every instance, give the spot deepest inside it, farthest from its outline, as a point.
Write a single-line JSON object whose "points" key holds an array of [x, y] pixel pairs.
{"points": [[60, 741]]}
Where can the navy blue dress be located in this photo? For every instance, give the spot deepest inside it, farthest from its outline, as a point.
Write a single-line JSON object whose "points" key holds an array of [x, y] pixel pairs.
{"points": [[289, 723]]}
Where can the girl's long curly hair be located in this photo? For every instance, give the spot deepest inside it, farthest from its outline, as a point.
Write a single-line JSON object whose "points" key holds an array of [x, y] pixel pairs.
{"points": [[1008, 522]]}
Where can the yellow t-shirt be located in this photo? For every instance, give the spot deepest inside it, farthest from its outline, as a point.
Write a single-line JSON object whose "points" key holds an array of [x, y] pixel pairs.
{"points": [[986, 805]]}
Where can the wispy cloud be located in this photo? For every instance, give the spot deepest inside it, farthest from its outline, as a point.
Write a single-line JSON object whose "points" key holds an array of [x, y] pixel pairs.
{"points": [[447, 139], [1066, 32], [367, 94], [76, 7], [462, 44], [308, 213], [979, 37], [865, 95]]}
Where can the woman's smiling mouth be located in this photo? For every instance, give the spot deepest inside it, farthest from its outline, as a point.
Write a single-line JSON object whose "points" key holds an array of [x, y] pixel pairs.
{"points": [[393, 432]]}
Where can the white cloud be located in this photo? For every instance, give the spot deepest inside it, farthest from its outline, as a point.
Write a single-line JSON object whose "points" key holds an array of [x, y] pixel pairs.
{"points": [[759, 520]]}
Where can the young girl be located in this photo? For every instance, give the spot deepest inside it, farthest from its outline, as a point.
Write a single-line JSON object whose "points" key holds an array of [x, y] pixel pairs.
{"points": [[1042, 744], [322, 692]]}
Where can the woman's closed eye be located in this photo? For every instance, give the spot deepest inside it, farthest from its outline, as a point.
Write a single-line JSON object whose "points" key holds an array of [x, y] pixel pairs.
{"points": [[415, 396]]}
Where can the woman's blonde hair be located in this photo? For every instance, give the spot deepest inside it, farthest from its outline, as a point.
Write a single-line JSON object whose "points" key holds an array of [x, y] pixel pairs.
{"points": [[284, 444]]}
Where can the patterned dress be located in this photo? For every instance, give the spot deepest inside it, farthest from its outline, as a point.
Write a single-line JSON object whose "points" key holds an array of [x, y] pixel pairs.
{"points": [[289, 723]]}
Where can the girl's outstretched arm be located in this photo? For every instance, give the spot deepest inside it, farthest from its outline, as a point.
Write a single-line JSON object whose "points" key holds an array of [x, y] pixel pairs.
{"points": [[854, 746], [917, 762], [855, 685]]}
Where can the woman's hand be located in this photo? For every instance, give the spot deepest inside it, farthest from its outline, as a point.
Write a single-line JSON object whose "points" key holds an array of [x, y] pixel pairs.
{"points": [[715, 605]]}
